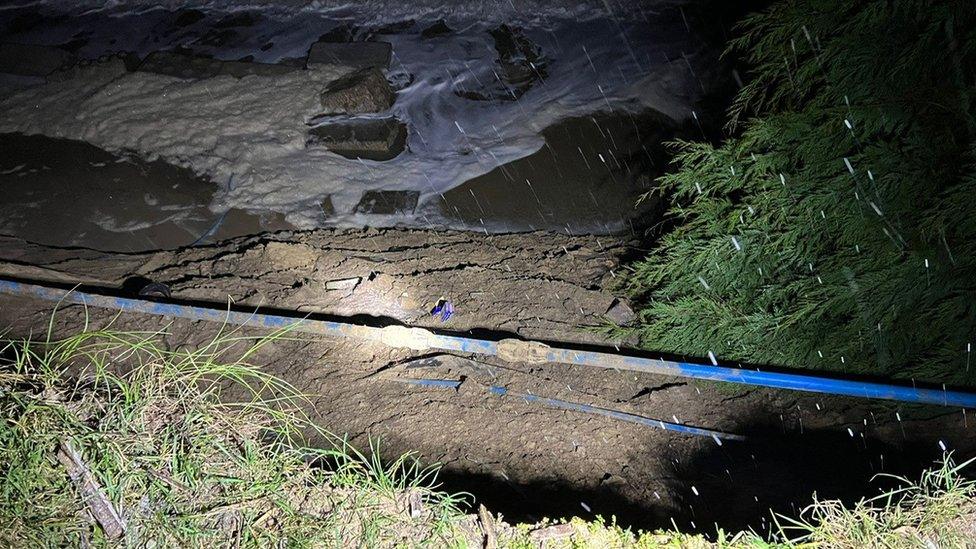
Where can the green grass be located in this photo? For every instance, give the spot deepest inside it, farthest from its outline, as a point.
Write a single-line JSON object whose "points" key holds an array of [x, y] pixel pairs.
{"points": [[184, 466], [196, 447]]}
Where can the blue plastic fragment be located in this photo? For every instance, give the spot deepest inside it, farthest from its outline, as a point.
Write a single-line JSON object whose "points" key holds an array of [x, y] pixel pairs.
{"points": [[438, 383], [445, 308]]}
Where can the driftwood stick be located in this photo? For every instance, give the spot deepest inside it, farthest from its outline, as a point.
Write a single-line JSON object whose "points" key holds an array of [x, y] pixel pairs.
{"points": [[91, 492], [488, 527]]}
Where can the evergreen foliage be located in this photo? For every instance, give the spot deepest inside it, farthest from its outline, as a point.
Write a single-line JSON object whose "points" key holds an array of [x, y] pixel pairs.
{"points": [[837, 228]]}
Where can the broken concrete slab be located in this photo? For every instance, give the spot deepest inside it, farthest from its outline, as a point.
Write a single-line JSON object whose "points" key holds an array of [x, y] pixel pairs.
{"points": [[328, 208], [363, 91], [388, 202], [356, 55], [366, 138], [33, 60], [193, 67], [521, 64]]}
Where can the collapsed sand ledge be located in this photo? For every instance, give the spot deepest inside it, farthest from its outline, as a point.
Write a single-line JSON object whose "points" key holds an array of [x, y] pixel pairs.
{"points": [[534, 284]]}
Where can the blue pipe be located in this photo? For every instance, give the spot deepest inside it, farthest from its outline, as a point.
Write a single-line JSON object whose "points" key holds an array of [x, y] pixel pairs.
{"points": [[776, 380], [615, 414], [717, 436]]}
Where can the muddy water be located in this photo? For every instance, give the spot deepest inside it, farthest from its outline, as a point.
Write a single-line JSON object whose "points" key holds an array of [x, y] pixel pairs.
{"points": [[587, 179], [68, 193]]}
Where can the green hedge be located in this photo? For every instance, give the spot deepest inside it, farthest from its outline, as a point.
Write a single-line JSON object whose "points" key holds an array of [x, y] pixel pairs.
{"points": [[835, 230]]}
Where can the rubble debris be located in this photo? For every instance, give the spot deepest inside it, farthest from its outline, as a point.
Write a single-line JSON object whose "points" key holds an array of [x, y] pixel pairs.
{"points": [[366, 138], [388, 202], [328, 208], [364, 91], [347, 284], [415, 503], [620, 313], [556, 531], [521, 64]]}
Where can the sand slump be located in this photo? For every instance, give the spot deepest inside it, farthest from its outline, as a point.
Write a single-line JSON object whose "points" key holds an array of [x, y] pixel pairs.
{"points": [[254, 128]]}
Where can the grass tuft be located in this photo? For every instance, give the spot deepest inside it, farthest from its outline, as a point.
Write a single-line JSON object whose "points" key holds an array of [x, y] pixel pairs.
{"points": [[939, 510], [193, 447]]}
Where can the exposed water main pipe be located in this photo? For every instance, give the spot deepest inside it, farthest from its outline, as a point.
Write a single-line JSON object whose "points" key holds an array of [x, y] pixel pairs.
{"points": [[498, 390], [511, 350]]}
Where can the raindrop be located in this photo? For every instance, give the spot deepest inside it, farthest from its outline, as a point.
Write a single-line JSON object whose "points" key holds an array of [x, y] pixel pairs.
{"points": [[848, 164]]}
